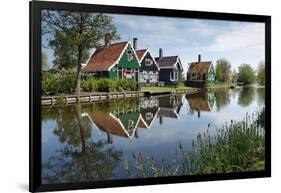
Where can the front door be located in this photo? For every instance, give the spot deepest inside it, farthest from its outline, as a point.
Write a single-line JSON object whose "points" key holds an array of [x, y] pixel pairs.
{"points": [[148, 80]]}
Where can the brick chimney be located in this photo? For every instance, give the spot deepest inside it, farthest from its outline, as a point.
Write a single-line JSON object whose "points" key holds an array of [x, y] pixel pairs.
{"points": [[135, 43], [160, 52]]}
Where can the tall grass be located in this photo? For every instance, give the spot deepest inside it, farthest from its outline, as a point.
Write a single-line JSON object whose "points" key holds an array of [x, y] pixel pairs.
{"points": [[237, 146]]}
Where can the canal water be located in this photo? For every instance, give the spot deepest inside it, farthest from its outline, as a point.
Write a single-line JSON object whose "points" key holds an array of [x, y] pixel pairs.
{"points": [[88, 142]]}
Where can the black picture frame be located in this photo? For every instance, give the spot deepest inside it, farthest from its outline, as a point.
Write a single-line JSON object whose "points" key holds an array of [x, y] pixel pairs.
{"points": [[35, 94]]}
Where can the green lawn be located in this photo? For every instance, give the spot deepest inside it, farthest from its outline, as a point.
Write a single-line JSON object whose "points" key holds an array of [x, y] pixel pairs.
{"points": [[163, 88], [221, 85]]}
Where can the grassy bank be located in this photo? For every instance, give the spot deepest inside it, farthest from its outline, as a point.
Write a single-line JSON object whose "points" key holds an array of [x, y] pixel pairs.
{"points": [[221, 85], [165, 88], [237, 146]]}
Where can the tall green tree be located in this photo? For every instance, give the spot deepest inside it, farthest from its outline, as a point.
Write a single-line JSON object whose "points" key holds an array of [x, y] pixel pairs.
{"points": [[246, 74], [261, 73], [44, 61], [223, 70], [65, 57], [79, 31]]}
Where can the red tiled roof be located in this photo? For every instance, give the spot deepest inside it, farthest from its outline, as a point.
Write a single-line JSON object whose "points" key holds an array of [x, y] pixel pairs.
{"points": [[199, 67], [104, 57], [140, 53]]}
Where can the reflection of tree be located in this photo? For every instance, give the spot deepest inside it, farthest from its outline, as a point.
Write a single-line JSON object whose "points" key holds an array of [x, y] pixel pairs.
{"points": [[246, 96], [222, 99], [81, 159], [260, 96]]}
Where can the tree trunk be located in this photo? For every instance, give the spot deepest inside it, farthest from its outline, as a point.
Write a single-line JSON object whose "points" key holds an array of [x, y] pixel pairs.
{"points": [[78, 73]]}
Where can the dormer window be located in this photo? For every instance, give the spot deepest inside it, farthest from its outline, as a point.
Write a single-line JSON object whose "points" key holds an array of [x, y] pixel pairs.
{"points": [[148, 62], [130, 55]]}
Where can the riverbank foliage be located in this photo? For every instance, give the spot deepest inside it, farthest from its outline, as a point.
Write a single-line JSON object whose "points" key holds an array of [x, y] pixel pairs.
{"points": [[64, 83], [236, 147], [109, 85], [56, 83]]}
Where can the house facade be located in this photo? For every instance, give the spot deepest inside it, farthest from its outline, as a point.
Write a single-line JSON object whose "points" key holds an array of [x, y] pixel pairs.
{"points": [[149, 70], [118, 60], [170, 69], [201, 71]]}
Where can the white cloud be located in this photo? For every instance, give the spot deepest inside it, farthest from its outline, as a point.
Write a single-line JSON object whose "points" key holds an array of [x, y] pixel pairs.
{"points": [[247, 35]]}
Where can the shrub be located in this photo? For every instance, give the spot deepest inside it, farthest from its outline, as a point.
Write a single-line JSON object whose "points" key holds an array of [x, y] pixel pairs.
{"points": [[55, 83], [108, 85]]}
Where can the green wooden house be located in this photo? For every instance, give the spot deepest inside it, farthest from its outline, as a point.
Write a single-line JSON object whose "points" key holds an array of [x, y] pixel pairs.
{"points": [[118, 60], [201, 71]]}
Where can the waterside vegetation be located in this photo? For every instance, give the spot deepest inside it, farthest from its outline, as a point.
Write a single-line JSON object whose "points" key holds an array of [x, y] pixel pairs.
{"points": [[238, 146]]}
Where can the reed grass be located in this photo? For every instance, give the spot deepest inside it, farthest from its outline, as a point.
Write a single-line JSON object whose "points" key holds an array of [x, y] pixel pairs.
{"points": [[236, 147]]}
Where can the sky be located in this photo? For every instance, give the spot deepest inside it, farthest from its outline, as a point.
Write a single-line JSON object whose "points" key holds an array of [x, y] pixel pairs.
{"points": [[238, 42]]}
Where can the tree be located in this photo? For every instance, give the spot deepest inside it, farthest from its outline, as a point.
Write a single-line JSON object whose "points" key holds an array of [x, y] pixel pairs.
{"points": [[234, 76], [223, 70], [64, 55], [44, 61], [246, 74], [261, 73], [79, 31]]}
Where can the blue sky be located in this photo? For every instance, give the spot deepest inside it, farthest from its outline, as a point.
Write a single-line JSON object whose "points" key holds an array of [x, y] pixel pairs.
{"points": [[238, 42]]}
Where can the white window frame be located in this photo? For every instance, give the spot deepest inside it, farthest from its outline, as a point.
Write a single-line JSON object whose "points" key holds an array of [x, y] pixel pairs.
{"points": [[130, 56], [175, 76]]}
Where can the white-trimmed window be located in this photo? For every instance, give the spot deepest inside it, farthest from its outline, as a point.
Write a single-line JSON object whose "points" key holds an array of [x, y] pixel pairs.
{"points": [[174, 76], [130, 55], [131, 124], [148, 116], [148, 62]]}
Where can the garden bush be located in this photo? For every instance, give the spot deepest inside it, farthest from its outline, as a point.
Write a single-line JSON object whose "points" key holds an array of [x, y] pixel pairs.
{"points": [[62, 82], [55, 83], [108, 85]]}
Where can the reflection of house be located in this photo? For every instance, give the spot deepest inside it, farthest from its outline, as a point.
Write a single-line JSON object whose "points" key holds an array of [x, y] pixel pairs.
{"points": [[170, 68], [149, 70], [200, 102], [123, 124], [149, 108], [117, 60], [201, 71], [170, 106]]}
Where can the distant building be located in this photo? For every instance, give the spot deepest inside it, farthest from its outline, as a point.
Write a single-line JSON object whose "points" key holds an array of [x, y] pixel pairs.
{"points": [[118, 60], [201, 71], [170, 68]]}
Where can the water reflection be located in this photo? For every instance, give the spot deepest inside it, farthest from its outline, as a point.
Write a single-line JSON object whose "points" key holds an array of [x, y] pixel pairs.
{"points": [[199, 102], [80, 159], [222, 98], [169, 107], [246, 96], [86, 142]]}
